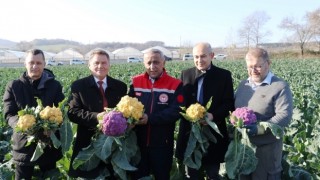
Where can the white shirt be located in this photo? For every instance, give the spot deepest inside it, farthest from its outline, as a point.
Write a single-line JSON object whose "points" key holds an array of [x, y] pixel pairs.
{"points": [[266, 80], [104, 85]]}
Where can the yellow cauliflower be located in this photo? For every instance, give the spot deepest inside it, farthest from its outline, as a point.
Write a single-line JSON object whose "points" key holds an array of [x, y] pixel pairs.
{"points": [[130, 107], [52, 114], [195, 112], [26, 121]]}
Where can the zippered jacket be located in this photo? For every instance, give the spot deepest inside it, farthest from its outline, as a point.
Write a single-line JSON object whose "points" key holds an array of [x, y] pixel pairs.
{"points": [[162, 100]]}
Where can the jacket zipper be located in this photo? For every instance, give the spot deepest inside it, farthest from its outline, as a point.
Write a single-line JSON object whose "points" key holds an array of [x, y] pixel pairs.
{"points": [[149, 127]]}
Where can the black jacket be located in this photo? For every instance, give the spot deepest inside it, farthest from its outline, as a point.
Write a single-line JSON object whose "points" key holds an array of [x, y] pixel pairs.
{"points": [[217, 84], [85, 104], [20, 93]]}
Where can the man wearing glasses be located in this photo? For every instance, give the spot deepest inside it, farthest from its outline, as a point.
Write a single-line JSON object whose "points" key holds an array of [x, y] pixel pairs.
{"points": [[271, 99]]}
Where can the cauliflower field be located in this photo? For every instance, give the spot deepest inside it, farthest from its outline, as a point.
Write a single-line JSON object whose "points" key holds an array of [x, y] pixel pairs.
{"points": [[301, 158]]}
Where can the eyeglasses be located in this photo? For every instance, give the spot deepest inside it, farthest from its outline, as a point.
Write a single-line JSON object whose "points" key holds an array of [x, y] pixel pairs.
{"points": [[258, 68]]}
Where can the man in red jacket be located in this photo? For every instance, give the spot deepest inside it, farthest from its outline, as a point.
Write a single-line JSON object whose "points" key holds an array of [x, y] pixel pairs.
{"points": [[162, 97]]}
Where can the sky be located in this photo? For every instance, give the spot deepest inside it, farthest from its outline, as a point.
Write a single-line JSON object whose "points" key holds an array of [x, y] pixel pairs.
{"points": [[174, 22]]}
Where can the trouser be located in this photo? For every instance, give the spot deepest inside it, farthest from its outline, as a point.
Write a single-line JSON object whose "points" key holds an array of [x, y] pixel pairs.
{"points": [[26, 172], [156, 161], [211, 172]]}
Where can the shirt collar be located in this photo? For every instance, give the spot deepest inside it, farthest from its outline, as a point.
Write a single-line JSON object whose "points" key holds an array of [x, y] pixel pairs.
{"points": [[104, 80], [266, 80]]}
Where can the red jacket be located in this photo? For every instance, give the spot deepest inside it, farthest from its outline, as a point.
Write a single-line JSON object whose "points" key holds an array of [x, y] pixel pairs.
{"points": [[162, 101]]}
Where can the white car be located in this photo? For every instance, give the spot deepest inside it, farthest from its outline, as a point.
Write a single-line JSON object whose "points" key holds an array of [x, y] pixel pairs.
{"points": [[76, 61], [133, 59], [220, 56], [53, 63], [187, 57]]}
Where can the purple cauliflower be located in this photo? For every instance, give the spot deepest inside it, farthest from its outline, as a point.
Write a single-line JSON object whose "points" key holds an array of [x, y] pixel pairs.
{"points": [[245, 114], [114, 124]]}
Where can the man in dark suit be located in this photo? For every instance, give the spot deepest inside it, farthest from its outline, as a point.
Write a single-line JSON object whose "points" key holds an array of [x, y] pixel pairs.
{"points": [[87, 103], [200, 83]]}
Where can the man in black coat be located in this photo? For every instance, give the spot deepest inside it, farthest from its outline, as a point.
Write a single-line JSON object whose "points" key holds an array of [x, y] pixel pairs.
{"points": [[35, 82], [216, 83], [87, 104]]}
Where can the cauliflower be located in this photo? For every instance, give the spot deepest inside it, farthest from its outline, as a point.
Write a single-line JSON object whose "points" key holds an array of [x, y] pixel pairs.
{"points": [[52, 114], [130, 108], [26, 121], [243, 116], [195, 112], [114, 124]]}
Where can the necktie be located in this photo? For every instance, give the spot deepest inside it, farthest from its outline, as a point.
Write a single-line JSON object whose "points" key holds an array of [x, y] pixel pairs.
{"points": [[201, 94], [105, 103]]}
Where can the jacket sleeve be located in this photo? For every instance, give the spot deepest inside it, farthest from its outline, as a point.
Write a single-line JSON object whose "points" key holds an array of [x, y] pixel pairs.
{"points": [[10, 110], [170, 114], [77, 113]]}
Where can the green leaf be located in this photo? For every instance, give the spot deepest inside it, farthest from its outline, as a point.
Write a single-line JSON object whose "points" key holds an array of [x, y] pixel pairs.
{"points": [[103, 146], [38, 151], [209, 103], [214, 126], [207, 133], [191, 146], [121, 160], [240, 159], [66, 135], [86, 159], [30, 139], [275, 129], [120, 172], [55, 141]]}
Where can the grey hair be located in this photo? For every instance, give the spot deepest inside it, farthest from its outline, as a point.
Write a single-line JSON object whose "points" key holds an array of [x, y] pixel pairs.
{"points": [[155, 51], [258, 53]]}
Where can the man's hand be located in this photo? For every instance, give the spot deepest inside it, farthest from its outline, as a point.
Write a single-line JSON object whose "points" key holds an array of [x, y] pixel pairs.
{"points": [[209, 117], [254, 129], [143, 120], [100, 115]]}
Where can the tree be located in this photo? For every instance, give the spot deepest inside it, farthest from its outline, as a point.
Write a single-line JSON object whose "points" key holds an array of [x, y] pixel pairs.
{"points": [[302, 32], [252, 29], [314, 21]]}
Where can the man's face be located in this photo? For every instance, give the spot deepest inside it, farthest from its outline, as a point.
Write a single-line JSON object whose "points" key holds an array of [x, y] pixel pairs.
{"points": [[257, 68], [202, 57], [35, 65], [99, 66], [154, 64]]}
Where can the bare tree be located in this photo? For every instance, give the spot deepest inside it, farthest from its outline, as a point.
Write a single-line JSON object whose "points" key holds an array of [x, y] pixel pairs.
{"points": [[302, 32], [252, 29], [314, 21]]}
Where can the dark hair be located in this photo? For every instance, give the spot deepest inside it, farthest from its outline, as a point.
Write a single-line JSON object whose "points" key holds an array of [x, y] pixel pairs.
{"points": [[100, 52], [36, 52]]}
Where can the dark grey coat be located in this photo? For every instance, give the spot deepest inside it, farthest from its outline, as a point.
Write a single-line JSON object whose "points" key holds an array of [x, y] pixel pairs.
{"points": [[18, 94]]}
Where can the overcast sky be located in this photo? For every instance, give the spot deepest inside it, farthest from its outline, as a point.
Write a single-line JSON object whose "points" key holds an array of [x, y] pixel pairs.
{"points": [[174, 22]]}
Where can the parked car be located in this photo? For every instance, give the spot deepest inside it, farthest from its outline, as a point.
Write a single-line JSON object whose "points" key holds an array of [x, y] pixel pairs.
{"points": [[76, 61], [167, 58], [133, 59], [220, 56], [53, 63], [187, 57]]}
